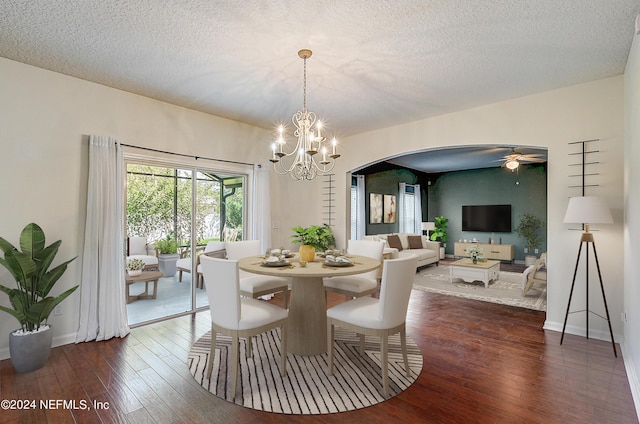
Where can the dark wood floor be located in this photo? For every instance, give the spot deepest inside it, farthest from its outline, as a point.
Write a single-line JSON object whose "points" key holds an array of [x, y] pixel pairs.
{"points": [[483, 363]]}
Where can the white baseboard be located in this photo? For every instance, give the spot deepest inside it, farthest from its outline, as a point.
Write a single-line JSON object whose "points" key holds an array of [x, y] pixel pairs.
{"points": [[632, 376]]}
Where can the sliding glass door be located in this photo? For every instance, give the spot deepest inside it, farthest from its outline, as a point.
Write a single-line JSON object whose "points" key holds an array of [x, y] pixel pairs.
{"points": [[186, 209]]}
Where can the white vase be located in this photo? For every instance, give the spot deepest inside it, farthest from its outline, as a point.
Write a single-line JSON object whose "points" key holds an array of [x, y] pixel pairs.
{"points": [[134, 272]]}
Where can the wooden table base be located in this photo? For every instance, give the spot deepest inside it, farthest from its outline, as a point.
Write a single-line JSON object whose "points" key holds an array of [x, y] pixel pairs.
{"points": [[307, 326]]}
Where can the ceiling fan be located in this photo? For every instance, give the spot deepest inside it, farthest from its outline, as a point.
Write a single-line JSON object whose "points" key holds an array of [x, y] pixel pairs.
{"points": [[513, 159]]}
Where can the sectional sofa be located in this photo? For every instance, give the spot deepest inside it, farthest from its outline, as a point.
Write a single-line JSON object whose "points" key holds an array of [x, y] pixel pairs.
{"points": [[402, 244]]}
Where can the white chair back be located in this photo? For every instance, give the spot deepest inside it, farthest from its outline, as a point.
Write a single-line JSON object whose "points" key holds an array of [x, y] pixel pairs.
{"points": [[213, 246], [241, 249], [395, 290], [137, 246], [368, 248], [223, 290]]}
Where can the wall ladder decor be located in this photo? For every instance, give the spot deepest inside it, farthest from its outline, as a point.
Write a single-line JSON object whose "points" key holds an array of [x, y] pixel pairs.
{"points": [[586, 164], [328, 189]]}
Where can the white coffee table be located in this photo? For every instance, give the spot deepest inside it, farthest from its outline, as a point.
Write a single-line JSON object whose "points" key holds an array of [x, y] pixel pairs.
{"points": [[469, 272]]}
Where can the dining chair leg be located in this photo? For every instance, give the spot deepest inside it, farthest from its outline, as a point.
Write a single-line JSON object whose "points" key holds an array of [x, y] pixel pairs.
{"points": [[403, 343], [283, 350], [234, 367], [249, 351], [212, 354], [384, 348], [330, 346], [180, 276], [361, 336]]}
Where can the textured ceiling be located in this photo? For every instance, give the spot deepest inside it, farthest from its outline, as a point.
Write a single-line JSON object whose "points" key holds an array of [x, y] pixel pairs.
{"points": [[375, 63]]}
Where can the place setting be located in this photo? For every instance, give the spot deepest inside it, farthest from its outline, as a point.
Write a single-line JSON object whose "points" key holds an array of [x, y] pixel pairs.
{"points": [[277, 258]]}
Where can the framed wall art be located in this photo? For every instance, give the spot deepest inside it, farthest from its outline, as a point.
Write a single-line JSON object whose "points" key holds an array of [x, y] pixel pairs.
{"points": [[375, 208], [389, 209]]}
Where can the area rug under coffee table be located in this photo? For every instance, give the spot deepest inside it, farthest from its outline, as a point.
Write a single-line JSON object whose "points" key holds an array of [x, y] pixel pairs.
{"points": [[506, 290], [307, 388]]}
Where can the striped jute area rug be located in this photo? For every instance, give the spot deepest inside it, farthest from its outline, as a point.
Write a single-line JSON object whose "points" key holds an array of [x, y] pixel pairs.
{"points": [[307, 388]]}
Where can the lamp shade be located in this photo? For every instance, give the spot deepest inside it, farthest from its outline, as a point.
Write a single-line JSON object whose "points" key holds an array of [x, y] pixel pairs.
{"points": [[428, 226], [587, 210]]}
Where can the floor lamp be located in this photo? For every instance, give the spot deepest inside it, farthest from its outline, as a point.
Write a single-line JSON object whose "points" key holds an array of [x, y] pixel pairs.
{"points": [[428, 226], [588, 210]]}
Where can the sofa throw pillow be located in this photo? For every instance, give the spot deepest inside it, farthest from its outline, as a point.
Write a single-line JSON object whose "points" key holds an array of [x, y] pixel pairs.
{"points": [[394, 242], [415, 242]]}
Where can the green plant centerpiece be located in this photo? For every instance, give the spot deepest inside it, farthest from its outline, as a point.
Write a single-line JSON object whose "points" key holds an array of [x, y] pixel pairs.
{"points": [[528, 228], [30, 301], [317, 237]]}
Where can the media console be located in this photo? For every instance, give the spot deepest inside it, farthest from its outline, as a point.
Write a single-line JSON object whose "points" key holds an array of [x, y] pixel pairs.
{"points": [[498, 252]]}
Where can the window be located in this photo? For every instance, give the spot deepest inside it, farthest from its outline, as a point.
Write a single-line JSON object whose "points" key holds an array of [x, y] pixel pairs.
{"points": [[357, 208], [410, 209]]}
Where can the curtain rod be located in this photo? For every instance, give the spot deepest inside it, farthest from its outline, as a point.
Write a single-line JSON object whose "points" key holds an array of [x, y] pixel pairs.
{"points": [[185, 155]]}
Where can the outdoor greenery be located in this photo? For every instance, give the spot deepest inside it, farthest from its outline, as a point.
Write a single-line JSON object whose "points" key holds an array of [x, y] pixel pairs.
{"points": [[319, 236], [167, 246], [440, 231], [528, 227], [29, 266], [159, 204]]}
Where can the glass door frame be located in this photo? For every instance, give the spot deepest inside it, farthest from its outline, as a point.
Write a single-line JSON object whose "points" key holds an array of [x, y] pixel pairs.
{"points": [[195, 166]]}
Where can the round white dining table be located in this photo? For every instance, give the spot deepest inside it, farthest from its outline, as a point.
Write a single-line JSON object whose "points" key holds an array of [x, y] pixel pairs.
{"points": [[307, 324]]}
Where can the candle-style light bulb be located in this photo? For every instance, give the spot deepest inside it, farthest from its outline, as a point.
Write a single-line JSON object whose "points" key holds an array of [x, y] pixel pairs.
{"points": [[334, 144]]}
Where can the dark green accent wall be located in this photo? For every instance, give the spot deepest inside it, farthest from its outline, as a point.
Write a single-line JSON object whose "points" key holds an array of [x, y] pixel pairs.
{"points": [[525, 191], [386, 182]]}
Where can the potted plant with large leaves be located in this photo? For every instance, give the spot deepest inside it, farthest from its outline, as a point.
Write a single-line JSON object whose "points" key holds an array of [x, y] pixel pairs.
{"points": [[29, 346], [440, 233], [315, 237]]}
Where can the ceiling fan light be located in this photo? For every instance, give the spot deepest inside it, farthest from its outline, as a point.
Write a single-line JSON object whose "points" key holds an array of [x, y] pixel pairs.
{"points": [[512, 164]]}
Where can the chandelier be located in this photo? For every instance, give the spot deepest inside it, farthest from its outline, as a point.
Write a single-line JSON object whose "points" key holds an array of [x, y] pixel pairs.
{"points": [[313, 154]]}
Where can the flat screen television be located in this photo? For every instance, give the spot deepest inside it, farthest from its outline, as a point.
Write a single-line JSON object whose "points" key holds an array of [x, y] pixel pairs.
{"points": [[487, 218]]}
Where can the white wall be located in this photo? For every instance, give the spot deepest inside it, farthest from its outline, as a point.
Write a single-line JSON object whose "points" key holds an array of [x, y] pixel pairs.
{"points": [[632, 218], [552, 120], [44, 156]]}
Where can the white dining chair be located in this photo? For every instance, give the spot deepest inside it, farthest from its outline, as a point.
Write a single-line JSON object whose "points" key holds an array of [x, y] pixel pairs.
{"points": [[382, 317], [361, 284], [213, 249], [254, 285], [238, 317]]}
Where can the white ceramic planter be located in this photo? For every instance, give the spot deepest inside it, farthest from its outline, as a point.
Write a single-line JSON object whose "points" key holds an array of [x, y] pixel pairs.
{"points": [[167, 264]]}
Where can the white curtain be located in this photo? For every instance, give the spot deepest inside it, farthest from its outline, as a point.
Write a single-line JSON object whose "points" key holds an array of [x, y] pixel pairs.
{"points": [[261, 208], [401, 214], [361, 216], [417, 213], [102, 305]]}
